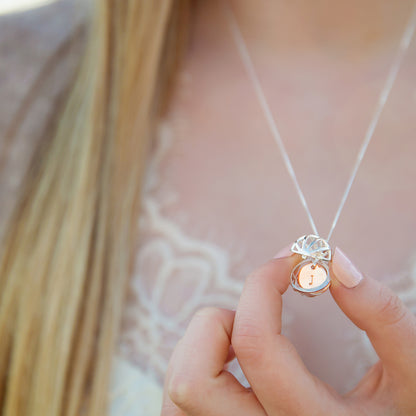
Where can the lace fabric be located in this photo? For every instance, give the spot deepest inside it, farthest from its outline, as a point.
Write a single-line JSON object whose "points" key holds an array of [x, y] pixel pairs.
{"points": [[176, 273]]}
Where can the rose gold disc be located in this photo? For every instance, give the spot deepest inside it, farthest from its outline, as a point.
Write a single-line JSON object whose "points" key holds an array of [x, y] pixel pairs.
{"points": [[311, 276]]}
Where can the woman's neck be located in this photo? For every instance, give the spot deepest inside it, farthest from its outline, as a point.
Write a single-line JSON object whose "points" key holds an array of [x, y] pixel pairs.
{"points": [[345, 27]]}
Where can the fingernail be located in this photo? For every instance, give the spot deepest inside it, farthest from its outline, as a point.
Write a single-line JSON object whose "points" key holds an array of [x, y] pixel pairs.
{"points": [[344, 270], [284, 252]]}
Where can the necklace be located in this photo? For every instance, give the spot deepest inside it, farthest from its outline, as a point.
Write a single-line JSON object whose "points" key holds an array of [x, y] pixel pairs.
{"points": [[311, 276]]}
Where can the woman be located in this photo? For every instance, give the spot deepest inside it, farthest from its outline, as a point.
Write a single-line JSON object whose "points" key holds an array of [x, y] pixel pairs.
{"points": [[216, 201]]}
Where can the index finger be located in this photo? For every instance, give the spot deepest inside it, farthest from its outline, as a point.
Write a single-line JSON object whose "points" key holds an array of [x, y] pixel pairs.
{"points": [[269, 361]]}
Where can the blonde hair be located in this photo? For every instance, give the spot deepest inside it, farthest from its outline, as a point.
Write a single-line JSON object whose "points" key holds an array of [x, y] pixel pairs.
{"points": [[67, 251]]}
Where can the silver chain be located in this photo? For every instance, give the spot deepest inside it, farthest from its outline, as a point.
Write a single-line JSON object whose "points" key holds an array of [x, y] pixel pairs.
{"points": [[392, 74]]}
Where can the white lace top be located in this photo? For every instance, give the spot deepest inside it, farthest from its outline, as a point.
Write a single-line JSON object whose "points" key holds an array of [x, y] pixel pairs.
{"points": [[176, 274]]}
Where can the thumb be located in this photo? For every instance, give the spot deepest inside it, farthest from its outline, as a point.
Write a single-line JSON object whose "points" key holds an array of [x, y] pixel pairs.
{"points": [[377, 310]]}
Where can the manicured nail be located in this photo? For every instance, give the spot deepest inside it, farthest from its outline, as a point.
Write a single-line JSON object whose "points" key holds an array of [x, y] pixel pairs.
{"points": [[284, 252], [344, 270]]}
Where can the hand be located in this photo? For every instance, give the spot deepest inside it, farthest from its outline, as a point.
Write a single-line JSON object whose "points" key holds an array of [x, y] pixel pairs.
{"points": [[198, 384]]}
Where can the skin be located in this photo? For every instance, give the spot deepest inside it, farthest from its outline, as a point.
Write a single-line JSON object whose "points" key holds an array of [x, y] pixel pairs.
{"points": [[198, 383]]}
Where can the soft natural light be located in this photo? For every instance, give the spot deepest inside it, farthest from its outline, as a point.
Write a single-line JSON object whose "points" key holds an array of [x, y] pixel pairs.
{"points": [[13, 6]]}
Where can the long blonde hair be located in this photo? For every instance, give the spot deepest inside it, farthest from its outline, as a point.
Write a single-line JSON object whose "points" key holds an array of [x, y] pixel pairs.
{"points": [[67, 251]]}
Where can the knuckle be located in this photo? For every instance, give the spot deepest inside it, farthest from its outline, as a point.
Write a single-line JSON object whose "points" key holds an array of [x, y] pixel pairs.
{"points": [[209, 315], [391, 309], [208, 312], [183, 390], [215, 316]]}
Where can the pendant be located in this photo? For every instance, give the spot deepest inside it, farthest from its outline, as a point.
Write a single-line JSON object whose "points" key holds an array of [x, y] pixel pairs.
{"points": [[311, 276]]}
